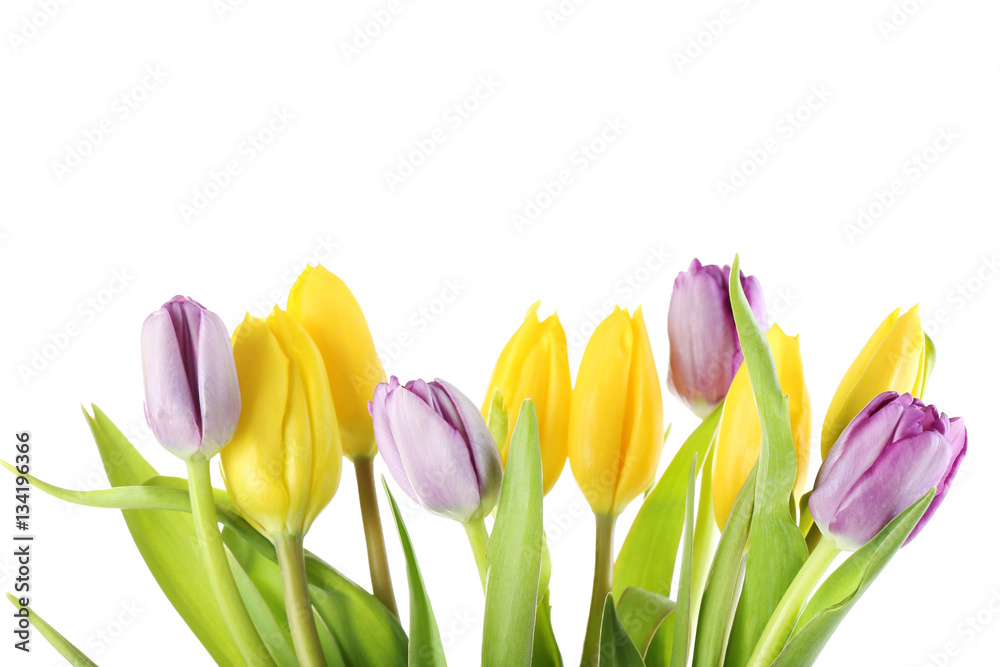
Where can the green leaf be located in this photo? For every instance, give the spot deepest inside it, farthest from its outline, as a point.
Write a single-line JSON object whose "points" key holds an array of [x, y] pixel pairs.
{"points": [[72, 654], [776, 549], [425, 640], [718, 604], [837, 595], [682, 616], [275, 635], [648, 556], [545, 650], [641, 613], [167, 542], [514, 557], [617, 649]]}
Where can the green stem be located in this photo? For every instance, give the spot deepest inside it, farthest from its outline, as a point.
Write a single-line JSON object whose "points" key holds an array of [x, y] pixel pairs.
{"points": [[782, 621], [603, 562], [378, 563], [298, 607], [479, 539], [220, 577]]}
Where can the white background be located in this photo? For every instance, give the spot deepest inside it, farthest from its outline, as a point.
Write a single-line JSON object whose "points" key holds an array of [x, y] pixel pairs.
{"points": [[317, 191]]}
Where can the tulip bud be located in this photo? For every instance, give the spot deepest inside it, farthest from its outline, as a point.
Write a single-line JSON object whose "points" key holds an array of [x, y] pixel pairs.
{"points": [[437, 447], [887, 458], [192, 393], [616, 417], [283, 465], [330, 314], [704, 346], [895, 358], [535, 365], [738, 446]]}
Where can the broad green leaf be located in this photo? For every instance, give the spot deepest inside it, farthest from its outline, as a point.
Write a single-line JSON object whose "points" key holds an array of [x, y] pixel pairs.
{"points": [[275, 636], [514, 557], [837, 595], [705, 538], [425, 640], [718, 603], [617, 649], [641, 613], [682, 616], [648, 556], [545, 650], [167, 542], [776, 549], [72, 654]]}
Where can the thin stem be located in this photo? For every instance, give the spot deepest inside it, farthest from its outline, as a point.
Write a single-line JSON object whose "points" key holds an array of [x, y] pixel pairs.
{"points": [[378, 563], [220, 577], [298, 607], [782, 621], [478, 539], [603, 562]]}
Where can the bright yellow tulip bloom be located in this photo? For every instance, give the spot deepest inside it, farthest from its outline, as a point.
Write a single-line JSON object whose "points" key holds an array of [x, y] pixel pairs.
{"points": [[893, 359], [330, 314], [535, 364], [616, 416], [738, 446], [283, 465]]}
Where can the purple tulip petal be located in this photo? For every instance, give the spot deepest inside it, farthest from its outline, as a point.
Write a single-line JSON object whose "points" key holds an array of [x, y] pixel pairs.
{"points": [[383, 436], [434, 456], [170, 406], [957, 441], [903, 473], [218, 385]]}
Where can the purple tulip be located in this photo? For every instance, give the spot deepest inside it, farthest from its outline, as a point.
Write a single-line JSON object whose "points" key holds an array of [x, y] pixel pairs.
{"points": [[192, 394], [705, 349], [437, 447], [886, 459]]}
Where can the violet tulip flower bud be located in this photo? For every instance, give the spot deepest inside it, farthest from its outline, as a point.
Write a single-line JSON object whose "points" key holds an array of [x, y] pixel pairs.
{"points": [[192, 393], [705, 349], [437, 447], [887, 458]]}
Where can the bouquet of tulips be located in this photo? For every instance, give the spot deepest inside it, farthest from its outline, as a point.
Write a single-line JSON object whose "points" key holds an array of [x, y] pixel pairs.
{"points": [[725, 564]]}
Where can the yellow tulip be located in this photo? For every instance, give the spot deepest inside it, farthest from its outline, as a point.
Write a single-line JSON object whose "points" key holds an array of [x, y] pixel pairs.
{"points": [[893, 359], [738, 446], [535, 364], [330, 314], [616, 416], [283, 465]]}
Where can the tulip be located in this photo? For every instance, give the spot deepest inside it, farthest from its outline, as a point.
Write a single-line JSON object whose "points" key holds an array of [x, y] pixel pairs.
{"points": [[705, 349], [535, 364], [332, 317], [192, 394], [738, 444], [438, 449], [897, 358], [193, 407], [283, 465], [615, 438], [889, 456]]}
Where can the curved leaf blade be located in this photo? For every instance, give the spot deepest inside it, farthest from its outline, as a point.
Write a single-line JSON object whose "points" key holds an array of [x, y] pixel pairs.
{"points": [[641, 613], [617, 649], [73, 655], [682, 617]]}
